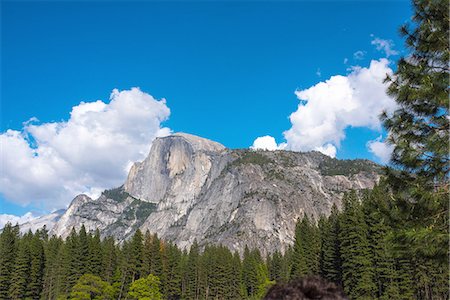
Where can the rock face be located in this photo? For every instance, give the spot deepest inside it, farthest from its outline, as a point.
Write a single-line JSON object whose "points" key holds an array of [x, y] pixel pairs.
{"points": [[192, 188], [48, 221]]}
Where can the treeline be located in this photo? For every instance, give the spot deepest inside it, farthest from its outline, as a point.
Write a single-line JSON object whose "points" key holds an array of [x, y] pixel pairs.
{"points": [[353, 247]]}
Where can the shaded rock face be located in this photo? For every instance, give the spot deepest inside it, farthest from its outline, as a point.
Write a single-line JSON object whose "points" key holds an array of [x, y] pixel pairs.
{"points": [[191, 188]]}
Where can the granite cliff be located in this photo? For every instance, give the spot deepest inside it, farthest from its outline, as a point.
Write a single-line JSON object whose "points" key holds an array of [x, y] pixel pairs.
{"points": [[192, 188]]}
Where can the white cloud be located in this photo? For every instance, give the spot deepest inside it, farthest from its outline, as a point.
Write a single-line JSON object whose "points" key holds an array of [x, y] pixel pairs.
{"points": [[384, 45], [86, 154], [327, 149], [345, 61], [265, 143], [4, 218], [329, 107], [359, 55], [380, 149]]}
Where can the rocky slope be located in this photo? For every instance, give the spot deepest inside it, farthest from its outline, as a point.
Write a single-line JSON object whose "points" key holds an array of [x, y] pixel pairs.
{"points": [[192, 188]]}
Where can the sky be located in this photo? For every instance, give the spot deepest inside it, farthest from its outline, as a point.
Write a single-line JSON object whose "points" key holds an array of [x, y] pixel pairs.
{"points": [[86, 86]]}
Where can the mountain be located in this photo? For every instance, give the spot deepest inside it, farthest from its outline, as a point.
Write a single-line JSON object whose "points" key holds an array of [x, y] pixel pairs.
{"points": [[192, 188], [48, 221]]}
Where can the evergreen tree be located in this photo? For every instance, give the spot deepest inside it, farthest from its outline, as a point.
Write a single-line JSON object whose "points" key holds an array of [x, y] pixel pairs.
{"points": [[331, 265], [299, 264], [419, 132], [135, 256], [82, 252], [37, 265], [8, 250], [357, 271], [237, 289], [156, 264], [249, 273], [109, 259], [95, 254], [21, 275], [72, 261], [192, 275], [173, 273], [52, 268], [276, 267]]}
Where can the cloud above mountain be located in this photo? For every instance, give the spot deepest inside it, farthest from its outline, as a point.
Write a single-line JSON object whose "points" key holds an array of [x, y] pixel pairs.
{"points": [[326, 109], [50, 163]]}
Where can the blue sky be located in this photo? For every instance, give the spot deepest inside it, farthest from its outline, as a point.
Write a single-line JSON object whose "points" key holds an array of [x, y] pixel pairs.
{"points": [[228, 70]]}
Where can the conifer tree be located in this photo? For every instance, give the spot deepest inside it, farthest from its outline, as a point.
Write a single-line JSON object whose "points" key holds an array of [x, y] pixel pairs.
{"points": [[20, 277], [72, 260], [173, 273], [276, 267], [419, 131], [37, 265], [8, 250], [299, 264], [156, 264], [82, 252], [95, 254], [109, 259], [192, 276], [237, 289], [249, 272], [357, 271], [52, 248], [135, 256]]}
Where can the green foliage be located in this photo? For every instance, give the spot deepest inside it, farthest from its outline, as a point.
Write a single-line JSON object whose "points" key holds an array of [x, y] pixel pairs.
{"points": [[333, 167], [91, 287], [117, 194], [419, 132], [252, 157], [357, 270], [330, 253], [146, 288], [8, 250]]}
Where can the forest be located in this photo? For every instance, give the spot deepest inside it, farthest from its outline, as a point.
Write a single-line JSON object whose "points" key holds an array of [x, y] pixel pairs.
{"points": [[354, 248]]}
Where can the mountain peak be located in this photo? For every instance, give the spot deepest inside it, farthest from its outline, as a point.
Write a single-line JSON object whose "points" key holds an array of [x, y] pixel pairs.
{"points": [[198, 143]]}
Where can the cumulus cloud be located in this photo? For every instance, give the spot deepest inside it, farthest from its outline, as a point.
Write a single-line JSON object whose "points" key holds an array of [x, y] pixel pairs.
{"points": [[48, 164], [5, 218], [265, 143], [329, 107], [380, 149], [384, 45]]}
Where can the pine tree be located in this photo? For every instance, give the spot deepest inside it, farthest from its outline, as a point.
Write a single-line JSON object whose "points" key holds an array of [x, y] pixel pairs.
{"points": [[135, 257], [192, 275], [52, 249], [173, 273], [249, 272], [37, 265], [21, 275], [276, 267], [72, 261], [299, 264], [357, 271], [419, 132], [237, 289], [383, 262], [156, 264], [82, 252], [95, 254], [109, 259], [8, 250]]}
